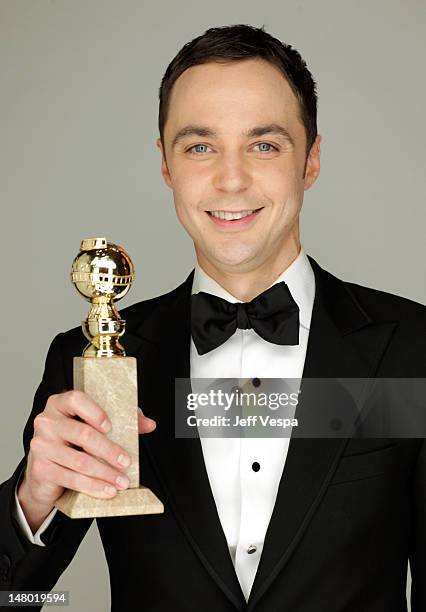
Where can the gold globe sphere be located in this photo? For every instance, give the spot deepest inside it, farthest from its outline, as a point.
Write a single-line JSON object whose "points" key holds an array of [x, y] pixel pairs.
{"points": [[102, 268]]}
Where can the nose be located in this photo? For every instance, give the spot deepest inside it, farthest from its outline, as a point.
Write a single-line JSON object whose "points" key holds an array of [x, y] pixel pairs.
{"points": [[231, 173]]}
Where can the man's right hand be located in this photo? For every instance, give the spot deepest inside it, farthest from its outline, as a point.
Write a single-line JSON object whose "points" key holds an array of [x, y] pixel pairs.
{"points": [[53, 464]]}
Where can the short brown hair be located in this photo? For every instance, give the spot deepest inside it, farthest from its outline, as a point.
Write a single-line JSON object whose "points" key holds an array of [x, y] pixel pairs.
{"points": [[237, 42]]}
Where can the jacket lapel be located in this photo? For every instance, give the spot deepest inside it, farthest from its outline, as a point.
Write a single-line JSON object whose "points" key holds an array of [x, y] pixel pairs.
{"points": [[343, 342]]}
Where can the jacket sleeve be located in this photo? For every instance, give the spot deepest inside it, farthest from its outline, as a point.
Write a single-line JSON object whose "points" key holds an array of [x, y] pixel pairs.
{"points": [[19, 515], [418, 535], [24, 565]]}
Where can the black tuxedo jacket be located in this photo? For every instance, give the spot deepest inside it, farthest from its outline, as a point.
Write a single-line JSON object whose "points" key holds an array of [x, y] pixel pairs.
{"points": [[349, 512]]}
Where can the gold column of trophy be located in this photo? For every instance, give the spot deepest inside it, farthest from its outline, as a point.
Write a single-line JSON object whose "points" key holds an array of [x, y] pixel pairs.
{"points": [[102, 273]]}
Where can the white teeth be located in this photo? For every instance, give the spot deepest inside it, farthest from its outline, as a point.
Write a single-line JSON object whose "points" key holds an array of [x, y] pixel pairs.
{"points": [[220, 214]]}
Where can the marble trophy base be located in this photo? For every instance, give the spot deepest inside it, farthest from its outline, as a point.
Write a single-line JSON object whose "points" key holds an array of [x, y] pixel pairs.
{"points": [[112, 383]]}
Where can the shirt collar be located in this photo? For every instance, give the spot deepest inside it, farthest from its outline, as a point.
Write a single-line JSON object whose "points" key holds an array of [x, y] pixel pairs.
{"points": [[299, 277]]}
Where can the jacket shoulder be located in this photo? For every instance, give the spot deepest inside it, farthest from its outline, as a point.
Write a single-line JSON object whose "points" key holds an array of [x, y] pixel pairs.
{"points": [[385, 306], [404, 354]]}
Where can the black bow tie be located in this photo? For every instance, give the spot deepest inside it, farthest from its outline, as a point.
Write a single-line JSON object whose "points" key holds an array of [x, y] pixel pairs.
{"points": [[273, 314]]}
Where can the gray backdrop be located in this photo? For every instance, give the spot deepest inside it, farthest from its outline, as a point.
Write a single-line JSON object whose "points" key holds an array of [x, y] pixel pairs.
{"points": [[79, 98]]}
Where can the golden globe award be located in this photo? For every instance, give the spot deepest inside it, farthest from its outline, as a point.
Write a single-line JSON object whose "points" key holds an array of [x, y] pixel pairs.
{"points": [[103, 273]]}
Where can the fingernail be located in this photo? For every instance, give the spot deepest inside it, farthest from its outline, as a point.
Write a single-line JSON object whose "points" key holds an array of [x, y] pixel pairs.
{"points": [[122, 482], [110, 490], [123, 460], [106, 425]]}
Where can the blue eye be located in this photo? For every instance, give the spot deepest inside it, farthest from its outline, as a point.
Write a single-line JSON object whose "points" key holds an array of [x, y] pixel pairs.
{"points": [[197, 145], [260, 144]]}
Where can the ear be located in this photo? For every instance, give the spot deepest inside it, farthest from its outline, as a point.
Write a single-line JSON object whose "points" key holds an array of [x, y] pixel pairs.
{"points": [[164, 168], [312, 164]]}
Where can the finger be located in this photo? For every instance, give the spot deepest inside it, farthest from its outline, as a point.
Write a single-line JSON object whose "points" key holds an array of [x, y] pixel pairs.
{"points": [[69, 479], [84, 463], [145, 424], [78, 403], [94, 442]]}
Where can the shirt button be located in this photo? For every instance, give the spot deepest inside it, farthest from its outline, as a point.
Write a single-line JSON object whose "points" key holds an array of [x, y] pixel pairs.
{"points": [[255, 466], [256, 382], [251, 549]]}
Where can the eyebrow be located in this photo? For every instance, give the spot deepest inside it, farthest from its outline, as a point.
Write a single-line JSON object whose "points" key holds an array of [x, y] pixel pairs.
{"points": [[255, 132]]}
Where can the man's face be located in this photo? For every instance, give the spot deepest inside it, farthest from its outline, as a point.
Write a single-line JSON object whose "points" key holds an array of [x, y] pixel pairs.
{"points": [[221, 163]]}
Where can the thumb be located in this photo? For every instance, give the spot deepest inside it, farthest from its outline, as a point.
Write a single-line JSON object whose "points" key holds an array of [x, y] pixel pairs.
{"points": [[145, 424]]}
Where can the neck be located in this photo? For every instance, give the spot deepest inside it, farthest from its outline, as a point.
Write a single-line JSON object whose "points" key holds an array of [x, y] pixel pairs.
{"points": [[246, 285]]}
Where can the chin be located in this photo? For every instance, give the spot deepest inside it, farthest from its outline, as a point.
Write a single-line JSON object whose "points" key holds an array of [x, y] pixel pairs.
{"points": [[239, 263]]}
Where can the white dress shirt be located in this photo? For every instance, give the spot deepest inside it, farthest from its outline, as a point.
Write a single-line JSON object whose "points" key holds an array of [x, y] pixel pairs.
{"points": [[244, 498]]}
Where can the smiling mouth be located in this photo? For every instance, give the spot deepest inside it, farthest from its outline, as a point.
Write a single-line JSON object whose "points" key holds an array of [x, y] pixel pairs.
{"points": [[232, 216]]}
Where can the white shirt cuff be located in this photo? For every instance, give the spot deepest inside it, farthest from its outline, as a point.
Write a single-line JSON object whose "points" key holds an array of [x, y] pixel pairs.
{"points": [[20, 517]]}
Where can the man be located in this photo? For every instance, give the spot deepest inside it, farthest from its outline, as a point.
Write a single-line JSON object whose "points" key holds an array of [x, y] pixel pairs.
{"points": [[310, 525]]}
